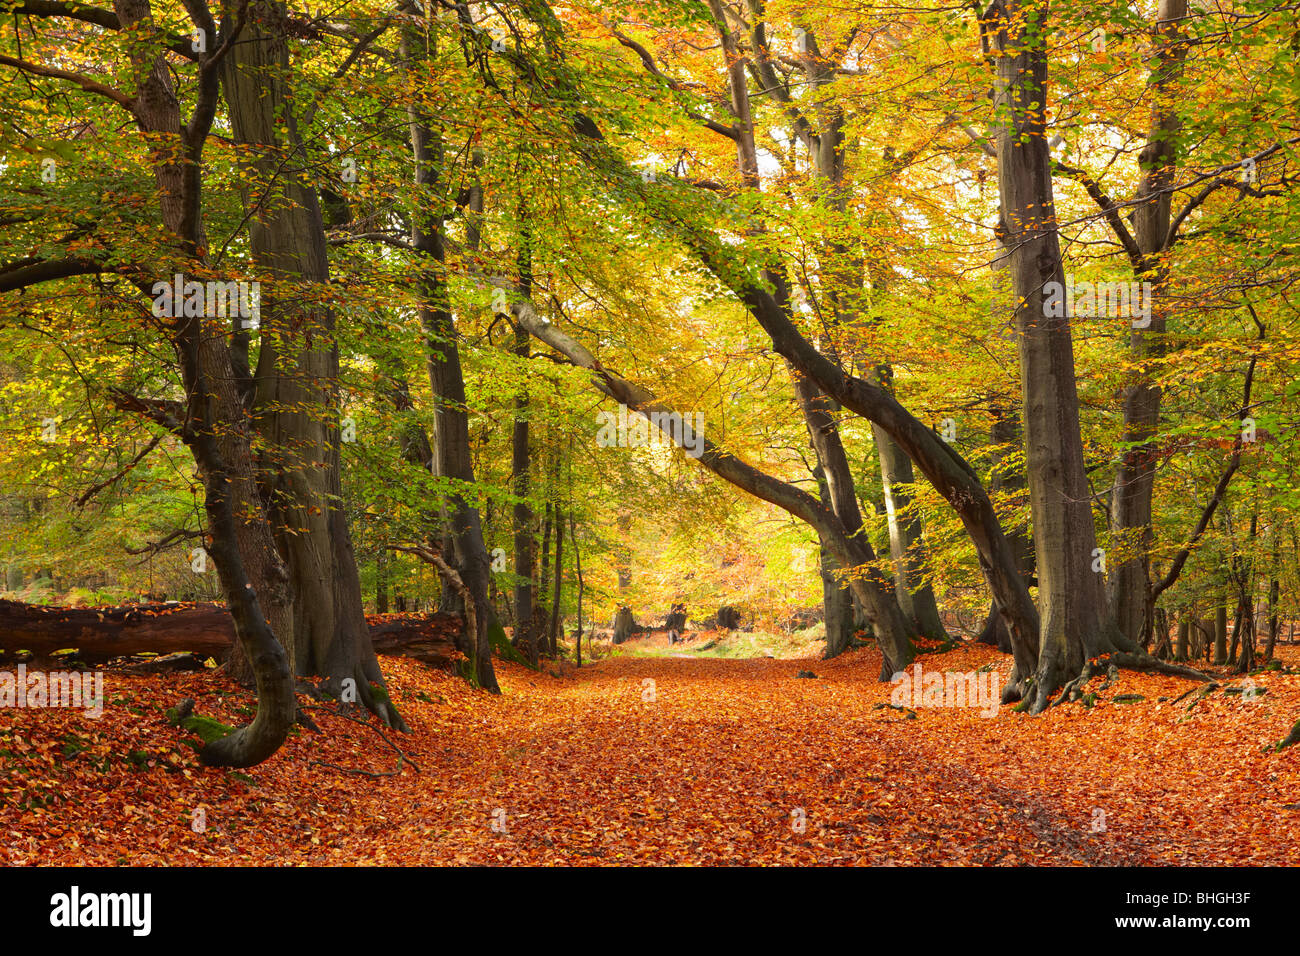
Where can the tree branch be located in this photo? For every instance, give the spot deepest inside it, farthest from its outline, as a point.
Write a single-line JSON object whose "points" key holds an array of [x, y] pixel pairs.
{"points": [[1110, 211], [85, 82], [96, 489], [29, 272], [1220, 488]]}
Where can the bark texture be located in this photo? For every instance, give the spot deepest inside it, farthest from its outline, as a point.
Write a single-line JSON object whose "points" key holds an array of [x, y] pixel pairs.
{"points": [[1075, 621], [295, 385]]}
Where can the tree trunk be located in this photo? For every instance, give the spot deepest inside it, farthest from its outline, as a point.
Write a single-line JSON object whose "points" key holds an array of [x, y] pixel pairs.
{"points": [[1221, 632], [1246, 659], [1274, 594], [1238, 617], [1130, 510], [295, 387], [906, 546], [624, 623], [381, 582], [622, 553], [100, 634], [453, 456], [1161, 650], [519, 467], [577, 564], [213, 425], [540, 613], [205, 630], [892, 629], [554, 630], [1243, 573], [837, 604], [1075, 624]]}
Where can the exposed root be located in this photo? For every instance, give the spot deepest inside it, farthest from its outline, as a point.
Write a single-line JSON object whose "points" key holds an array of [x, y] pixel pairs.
{"points": [[371, 696], [1145, 662], [304, 720], [1015, 688], [1203, 690], [1129, 660], [401, 755]]}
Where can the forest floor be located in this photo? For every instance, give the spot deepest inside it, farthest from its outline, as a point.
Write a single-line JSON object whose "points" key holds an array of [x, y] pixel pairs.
{"points": [[639, 759]]}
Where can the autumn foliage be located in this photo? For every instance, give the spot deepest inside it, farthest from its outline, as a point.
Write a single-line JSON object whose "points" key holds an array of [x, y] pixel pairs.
{"points": [[715, 766]]}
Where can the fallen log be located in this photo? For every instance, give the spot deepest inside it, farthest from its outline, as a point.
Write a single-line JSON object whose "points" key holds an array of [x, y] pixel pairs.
{"points": [[430, 638], [100, 634]]}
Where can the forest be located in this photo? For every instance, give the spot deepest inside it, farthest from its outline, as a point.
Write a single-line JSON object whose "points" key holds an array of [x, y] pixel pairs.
{"points": [[800, 433]]}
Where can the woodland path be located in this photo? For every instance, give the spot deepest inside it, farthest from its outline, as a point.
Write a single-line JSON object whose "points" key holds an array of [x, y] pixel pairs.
{"points": [[584, 768]]}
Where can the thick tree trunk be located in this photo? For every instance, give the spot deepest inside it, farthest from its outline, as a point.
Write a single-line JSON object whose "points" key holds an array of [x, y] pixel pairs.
{"points": [[295, 386], [1075, 622], [212, 421], [277, 705], [624, 623], [100, 634], [837, 604], [837, 600]]}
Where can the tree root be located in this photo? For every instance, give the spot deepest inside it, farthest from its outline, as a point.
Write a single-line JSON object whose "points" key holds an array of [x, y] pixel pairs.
{"points": [[304, 720], [1145, 662], [401, 755], [1212, 686], [1129, 660]]}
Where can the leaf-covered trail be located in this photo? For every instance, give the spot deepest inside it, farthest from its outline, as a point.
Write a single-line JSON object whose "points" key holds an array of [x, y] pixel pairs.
{"points": [[717, 761]]}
